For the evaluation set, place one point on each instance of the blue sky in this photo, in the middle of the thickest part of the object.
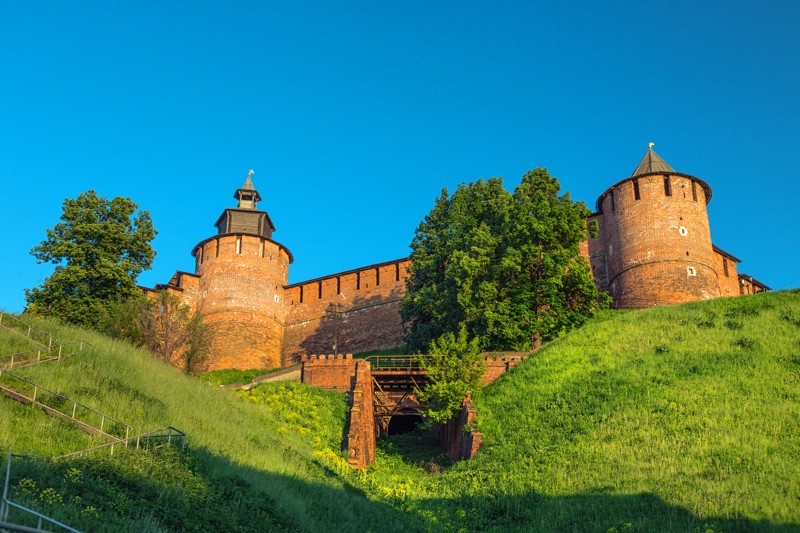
(354, 115)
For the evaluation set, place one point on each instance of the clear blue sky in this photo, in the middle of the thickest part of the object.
(354, 115)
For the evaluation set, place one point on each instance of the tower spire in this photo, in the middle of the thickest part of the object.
(247, 196)
(651, 162)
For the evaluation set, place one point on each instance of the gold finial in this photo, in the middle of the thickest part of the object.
(649, 145)
(251, 172)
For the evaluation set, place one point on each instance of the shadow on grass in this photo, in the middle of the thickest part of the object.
(583, 512)
(202, 491)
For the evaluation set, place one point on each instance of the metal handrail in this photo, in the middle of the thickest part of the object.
(75, 405)
(172, 434)
(6, 503)
(397, 362)
(169, 433)
(30, 329)
(14, 357)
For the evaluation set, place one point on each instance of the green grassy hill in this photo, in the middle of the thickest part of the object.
(682, 418)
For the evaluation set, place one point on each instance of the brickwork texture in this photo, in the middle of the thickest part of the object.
(653, 248)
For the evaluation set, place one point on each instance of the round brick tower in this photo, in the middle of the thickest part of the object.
(242, 274)
(657, 238)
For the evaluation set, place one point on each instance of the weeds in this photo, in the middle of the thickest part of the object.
(641, 420)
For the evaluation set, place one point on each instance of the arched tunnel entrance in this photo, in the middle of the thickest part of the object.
(400, 424)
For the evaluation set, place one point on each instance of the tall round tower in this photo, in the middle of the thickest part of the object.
(242, 274)
(656, 237)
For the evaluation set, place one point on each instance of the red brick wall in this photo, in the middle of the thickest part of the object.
(594, 250)
(355, 311)
(362, 431)
(658, 248)
(461, 440)
(497, 366)
(329, 372)
(728, 283)
(241, 295)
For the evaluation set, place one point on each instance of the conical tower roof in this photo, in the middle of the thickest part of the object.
(248, 190)
(651, 162)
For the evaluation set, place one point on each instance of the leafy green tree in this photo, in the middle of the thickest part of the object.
(454, 369)
(170, 331)
(121, 318)
(505, 266)
(100, 247)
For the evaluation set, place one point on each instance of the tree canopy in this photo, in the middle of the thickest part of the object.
(507, 267)
(100, 247)
(454, 369)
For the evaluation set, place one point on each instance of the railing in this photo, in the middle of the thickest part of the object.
(397, 362)
(161, 437)
(168, 435)
(27, 391)
(41, 355)
(12, 323)
(7, 504)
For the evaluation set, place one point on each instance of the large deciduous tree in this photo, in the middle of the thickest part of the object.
(170, 331)
(507, 267)
(100, 247)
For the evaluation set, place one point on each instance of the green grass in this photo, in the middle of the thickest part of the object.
(681, 418)
(229, 438)
(672, 418)
(230, 376)
(10, 343)
(400, 350)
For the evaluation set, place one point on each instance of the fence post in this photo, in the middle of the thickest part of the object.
(5, 488)
(35, 388)
(74, 407)
(29, 332)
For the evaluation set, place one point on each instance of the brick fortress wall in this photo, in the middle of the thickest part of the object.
(354, 311)
(654, 245)
(654, 248)
(240, 295)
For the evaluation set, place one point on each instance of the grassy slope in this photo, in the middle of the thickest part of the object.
(675, 418)
(672, 418)
(228, 437)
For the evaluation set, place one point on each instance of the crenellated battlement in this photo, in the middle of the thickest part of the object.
(653, 247)
(497, 365)
(334, 372)
(328, 357)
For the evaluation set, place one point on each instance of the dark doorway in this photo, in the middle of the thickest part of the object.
(400, 424)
